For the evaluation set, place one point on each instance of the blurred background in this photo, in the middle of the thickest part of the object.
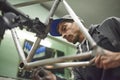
(91, 11)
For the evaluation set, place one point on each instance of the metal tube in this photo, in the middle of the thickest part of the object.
(35, 45)
(27, 3)
(82, 28)
(32, 51)
(52, 10)
(60, 59)
(67, 64)
(18, 46)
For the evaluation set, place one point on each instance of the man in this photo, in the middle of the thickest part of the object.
(105, 34)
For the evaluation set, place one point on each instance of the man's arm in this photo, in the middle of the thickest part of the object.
(110, 59)
(42, 74)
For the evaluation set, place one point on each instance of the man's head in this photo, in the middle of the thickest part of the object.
(66, 28)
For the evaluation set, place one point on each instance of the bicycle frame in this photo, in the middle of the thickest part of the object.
(61, 61)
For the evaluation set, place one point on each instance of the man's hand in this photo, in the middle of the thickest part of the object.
(108, 60)
(42, 74)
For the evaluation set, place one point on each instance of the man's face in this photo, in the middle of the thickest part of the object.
(70, 31)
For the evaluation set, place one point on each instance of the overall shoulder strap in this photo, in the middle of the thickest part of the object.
(92, 29)
(94, 33)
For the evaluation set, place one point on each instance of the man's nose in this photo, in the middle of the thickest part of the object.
(64, 35)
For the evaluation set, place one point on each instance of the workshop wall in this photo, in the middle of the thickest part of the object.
(9, 58)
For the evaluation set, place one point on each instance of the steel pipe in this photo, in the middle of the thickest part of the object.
(33, 49)
(59, 59)
(79, 23)
(18, 46)
(68, 64)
